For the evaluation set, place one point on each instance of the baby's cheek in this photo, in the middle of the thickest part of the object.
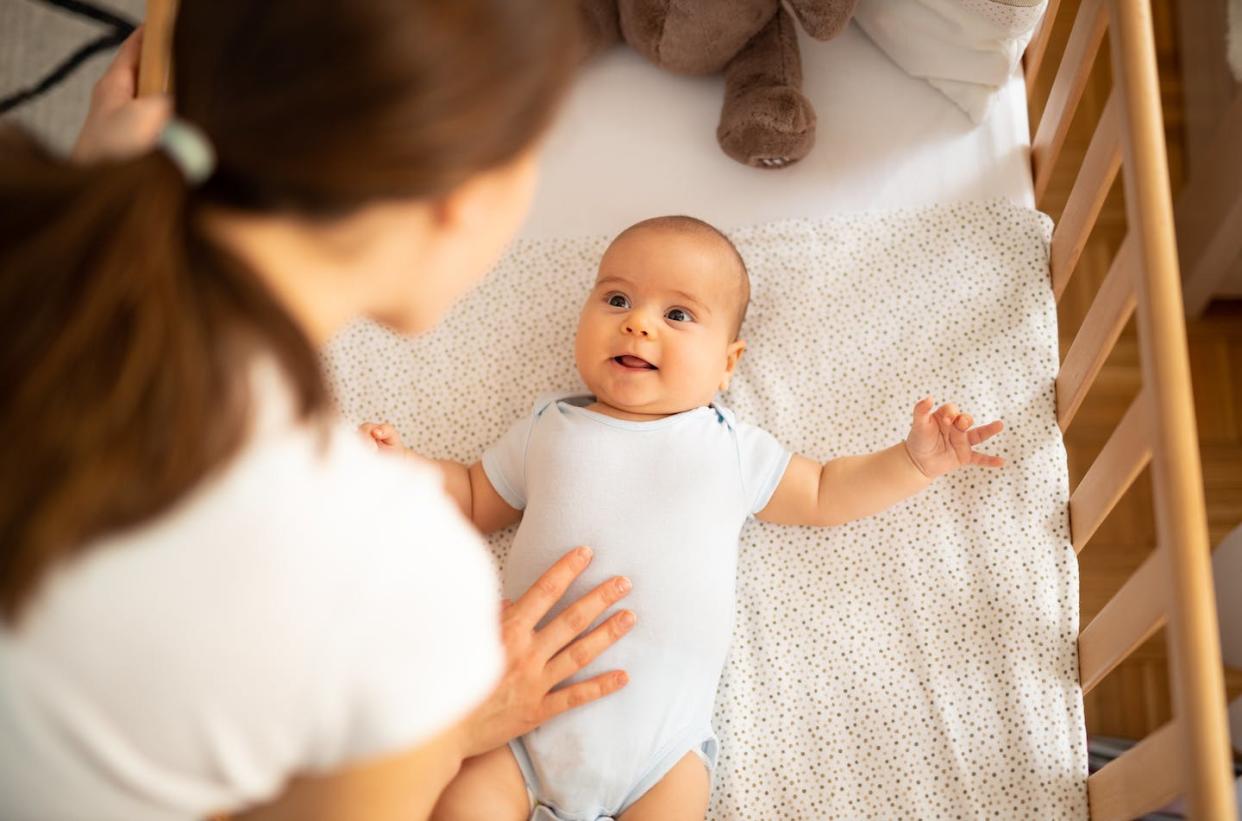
(695, 369)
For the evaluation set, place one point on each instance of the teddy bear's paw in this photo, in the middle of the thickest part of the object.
(767, 127)
(824, 19)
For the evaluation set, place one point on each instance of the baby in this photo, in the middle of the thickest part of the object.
(659, 478)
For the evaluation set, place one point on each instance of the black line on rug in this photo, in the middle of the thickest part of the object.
(121, 28)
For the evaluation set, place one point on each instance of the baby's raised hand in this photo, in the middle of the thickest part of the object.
(382, 435)
(943, 440)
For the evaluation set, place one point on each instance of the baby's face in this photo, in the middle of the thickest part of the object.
(656, 335)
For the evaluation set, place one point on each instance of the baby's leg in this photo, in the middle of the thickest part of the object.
(681, 795)
(488, 788)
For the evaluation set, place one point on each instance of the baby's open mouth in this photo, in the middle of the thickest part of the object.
(635, 362)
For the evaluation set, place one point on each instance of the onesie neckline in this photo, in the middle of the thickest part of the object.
(570, 403)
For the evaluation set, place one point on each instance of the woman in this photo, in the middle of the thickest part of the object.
(214, 596)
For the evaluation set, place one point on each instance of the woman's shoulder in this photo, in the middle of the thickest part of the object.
(340, 585)
(308, 511)
(328, 471)
(319, 479)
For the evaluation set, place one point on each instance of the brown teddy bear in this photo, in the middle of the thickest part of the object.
(766, 121)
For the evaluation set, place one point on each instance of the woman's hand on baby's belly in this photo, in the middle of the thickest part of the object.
(540, 659)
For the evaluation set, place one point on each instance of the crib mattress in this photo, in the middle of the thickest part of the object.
(634, 141)
(917, 664)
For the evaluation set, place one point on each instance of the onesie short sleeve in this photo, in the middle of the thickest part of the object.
(505, 463)
(762, 460)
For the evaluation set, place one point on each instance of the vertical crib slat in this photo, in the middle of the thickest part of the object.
(1091, 187)
(1142, 779)
(1125, 454)
(1105, 319)
(155, 67)
(1131, 617)
(1084, 43)
(1181, 519)
(1037, 49)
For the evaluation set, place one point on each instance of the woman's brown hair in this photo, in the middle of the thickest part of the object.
(124, 374)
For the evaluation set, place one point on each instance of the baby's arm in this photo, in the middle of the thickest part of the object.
(853, 487)
(474, 494)
(469, 486)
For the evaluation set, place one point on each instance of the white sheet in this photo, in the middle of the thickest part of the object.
(920, 663)
(634, 141)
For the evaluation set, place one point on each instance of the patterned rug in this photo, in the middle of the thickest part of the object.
(51, 53)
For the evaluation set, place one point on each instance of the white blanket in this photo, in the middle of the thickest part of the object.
(920, 663)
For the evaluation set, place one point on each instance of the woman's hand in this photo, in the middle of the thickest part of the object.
(943, 440)
(119, 125)
(539, 660)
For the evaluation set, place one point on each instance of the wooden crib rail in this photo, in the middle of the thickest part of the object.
(1190, 755)
(155, 66)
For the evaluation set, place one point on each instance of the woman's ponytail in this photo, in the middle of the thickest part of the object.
(122, 372)
(127, 331)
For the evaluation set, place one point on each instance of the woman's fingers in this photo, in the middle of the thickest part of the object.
(119, 82)
(586, 649)
(580, 615)
(584, 692)
(547, 590)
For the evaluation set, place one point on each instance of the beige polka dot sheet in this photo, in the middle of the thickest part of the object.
(917, 664)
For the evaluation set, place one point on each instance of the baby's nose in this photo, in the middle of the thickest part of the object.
(629, 329)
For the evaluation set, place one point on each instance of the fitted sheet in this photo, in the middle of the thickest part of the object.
(920, 663)
(633, 141)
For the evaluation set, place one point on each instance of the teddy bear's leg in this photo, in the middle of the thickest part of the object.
(601, 28)
(824, 19)
(766, 122)
(692, 36)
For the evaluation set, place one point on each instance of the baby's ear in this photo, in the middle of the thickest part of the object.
(732, 354)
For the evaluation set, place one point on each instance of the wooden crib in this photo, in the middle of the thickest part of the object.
(1190, 755)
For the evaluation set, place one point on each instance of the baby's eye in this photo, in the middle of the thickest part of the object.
(618, 301)
(679, 315)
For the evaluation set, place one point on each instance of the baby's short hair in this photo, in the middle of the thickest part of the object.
(691, 225)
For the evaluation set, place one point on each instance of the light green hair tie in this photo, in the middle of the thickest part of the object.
(189, 149)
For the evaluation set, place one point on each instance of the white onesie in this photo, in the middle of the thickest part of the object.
(663, 503)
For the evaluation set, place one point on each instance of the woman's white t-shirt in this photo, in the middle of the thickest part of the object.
(314, 604)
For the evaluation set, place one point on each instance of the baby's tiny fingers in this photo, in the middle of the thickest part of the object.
(945, 423)
(986, 432)
(958, 439)
(987, 460)
(963, 421)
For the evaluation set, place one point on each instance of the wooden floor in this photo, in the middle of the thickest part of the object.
(1134, 699)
